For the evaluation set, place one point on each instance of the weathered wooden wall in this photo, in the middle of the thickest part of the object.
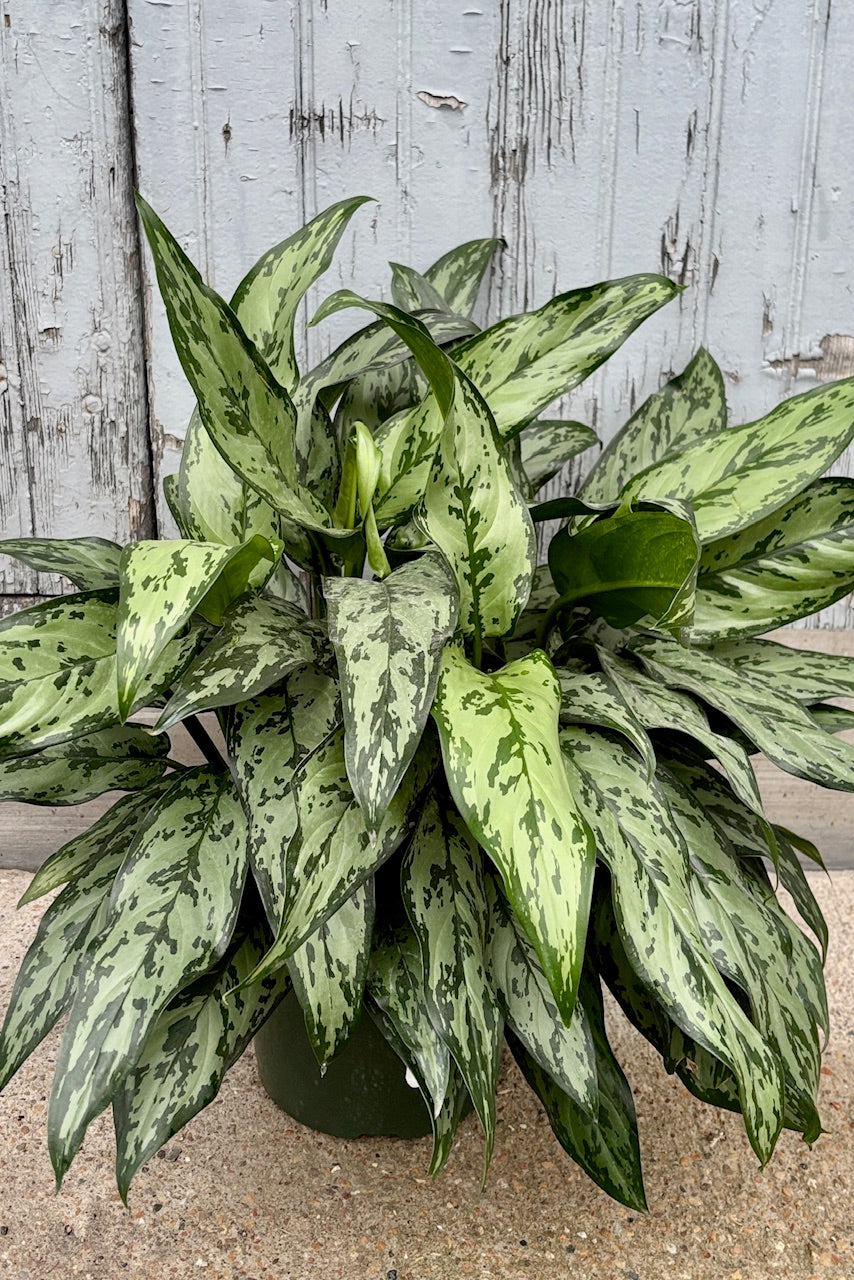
(707, 139)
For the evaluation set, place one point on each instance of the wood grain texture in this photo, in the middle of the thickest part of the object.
(73, 414)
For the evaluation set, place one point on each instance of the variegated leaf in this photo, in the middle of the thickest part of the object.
(444, 895)
(755, 944)
(745, 473)
(113, 831)
(802, 674)
(46, 979)
(396, 985)
(642, 846)
(664, 709)
(172, 912)
(333, 851)
(329, 971)
(388, 637)
(476, 516)
(411, 291)
(262, 640)
(504, 767)
(605, 1146)
(267, 738)
(690, 408)
(593, 698)
(58, 672)
(458, 274)
(566, 1053)
(778, 725)
(796, 561)
(196, 1039)
(163, 584)
(122, 759)
(92, 564)
(547, 445)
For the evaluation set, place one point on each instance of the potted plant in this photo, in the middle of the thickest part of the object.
(456, 790)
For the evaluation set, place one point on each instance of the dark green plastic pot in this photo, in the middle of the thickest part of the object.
(363, 1093)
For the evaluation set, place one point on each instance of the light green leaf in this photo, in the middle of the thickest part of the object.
(745, 473)
(329, 971)
(163, 584)
(803, 674)
(172, 912)
(388, 639)
(267, 738)
(774, 721)
(92, 564)
(123, 759)
(262, 640)
(606, 1146)
(195, 1040)
(458, 274)
(504, 767)
(445, 899)
(58, 672)
(691, 408)
(796, 561)
(476, 516)
(644, 850)
(633, 565)
(547, 445)
(593, 698)
(413, 292)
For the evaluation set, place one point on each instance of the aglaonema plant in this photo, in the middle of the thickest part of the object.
(549, 765)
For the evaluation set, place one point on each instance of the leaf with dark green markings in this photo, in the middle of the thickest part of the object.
(742, 475)
(503, 764)
(605, 1146)
(633, 565)
(267, 738)
(547, 445)
(795, 562)
(411, 291)
(778, 725)
(172, 912)
(128, 758)
(566, 1053)
(113, 831)
(691, 408)
(458, 274)
(92, 564)
(58, 672)
(388, 637)
(444, 894)
(262, 640)
(755, 944)
(46, 980)
(593, 698)
(163, 584)
(803, 674)
(329, 971)
(639, 841)
(195, 1040)
(664, 709)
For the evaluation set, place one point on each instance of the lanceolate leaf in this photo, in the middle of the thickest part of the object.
(92, 564)
(605, 1146)
(593, 698)
(163, 584)
(262, 640)
(267, 738)
(457, 275)
(413, 292)
(644, 850)
(172, 912)
(805, 675)
(444, 894)
(747, 472)
(547, 445)
(123, 759)
(504, 767)
(689, 409)
(478, 519)
(388, 637)
(775, 722)
(329, 970)
(195, 1040)
(796, 561)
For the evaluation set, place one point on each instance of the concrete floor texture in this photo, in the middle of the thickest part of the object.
(245, 1193)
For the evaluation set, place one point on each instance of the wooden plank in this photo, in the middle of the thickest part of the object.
(73, 413)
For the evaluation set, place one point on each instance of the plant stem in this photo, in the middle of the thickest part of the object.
(204, 741)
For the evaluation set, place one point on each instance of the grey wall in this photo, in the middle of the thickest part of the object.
(706, 139)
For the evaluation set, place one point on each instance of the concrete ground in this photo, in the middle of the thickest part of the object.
(244, 1193)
